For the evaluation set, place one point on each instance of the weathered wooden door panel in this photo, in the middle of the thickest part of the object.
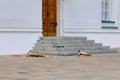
(49, 17)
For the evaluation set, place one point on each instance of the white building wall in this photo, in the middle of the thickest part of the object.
(115, 11)
(17, 43)
(82, 14)
(20, 25)
(20, 13)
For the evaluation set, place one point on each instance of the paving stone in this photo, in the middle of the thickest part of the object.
(95, 67)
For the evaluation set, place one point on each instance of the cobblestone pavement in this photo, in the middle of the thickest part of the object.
(95, 67)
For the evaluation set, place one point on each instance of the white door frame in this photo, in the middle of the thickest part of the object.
(60, 25)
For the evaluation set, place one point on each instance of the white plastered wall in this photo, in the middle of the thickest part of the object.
(20, 25)
(25, 14)
(81, 14)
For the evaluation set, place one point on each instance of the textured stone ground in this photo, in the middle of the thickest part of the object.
(95, 67)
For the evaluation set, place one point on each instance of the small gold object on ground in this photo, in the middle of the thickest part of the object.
(83, 53)
(35, 54)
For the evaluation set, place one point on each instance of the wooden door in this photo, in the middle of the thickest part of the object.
(49, 17)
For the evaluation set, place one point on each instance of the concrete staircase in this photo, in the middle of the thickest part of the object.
(69, 46)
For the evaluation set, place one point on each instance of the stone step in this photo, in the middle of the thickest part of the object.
(74, 52)
(101, 51)
(69, 46)
(45, 49)
(46, 52)
(59, 41)
(43, 45)
(64, 41)
(79, 45)
(63, 38)
(72, 48)
(89, 51)
(83, 48)
(112, 51)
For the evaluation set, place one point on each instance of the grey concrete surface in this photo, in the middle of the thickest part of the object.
(95, 67)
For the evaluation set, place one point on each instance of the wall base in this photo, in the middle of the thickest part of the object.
(17, 43)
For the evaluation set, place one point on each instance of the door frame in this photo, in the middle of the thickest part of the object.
(60, 17)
